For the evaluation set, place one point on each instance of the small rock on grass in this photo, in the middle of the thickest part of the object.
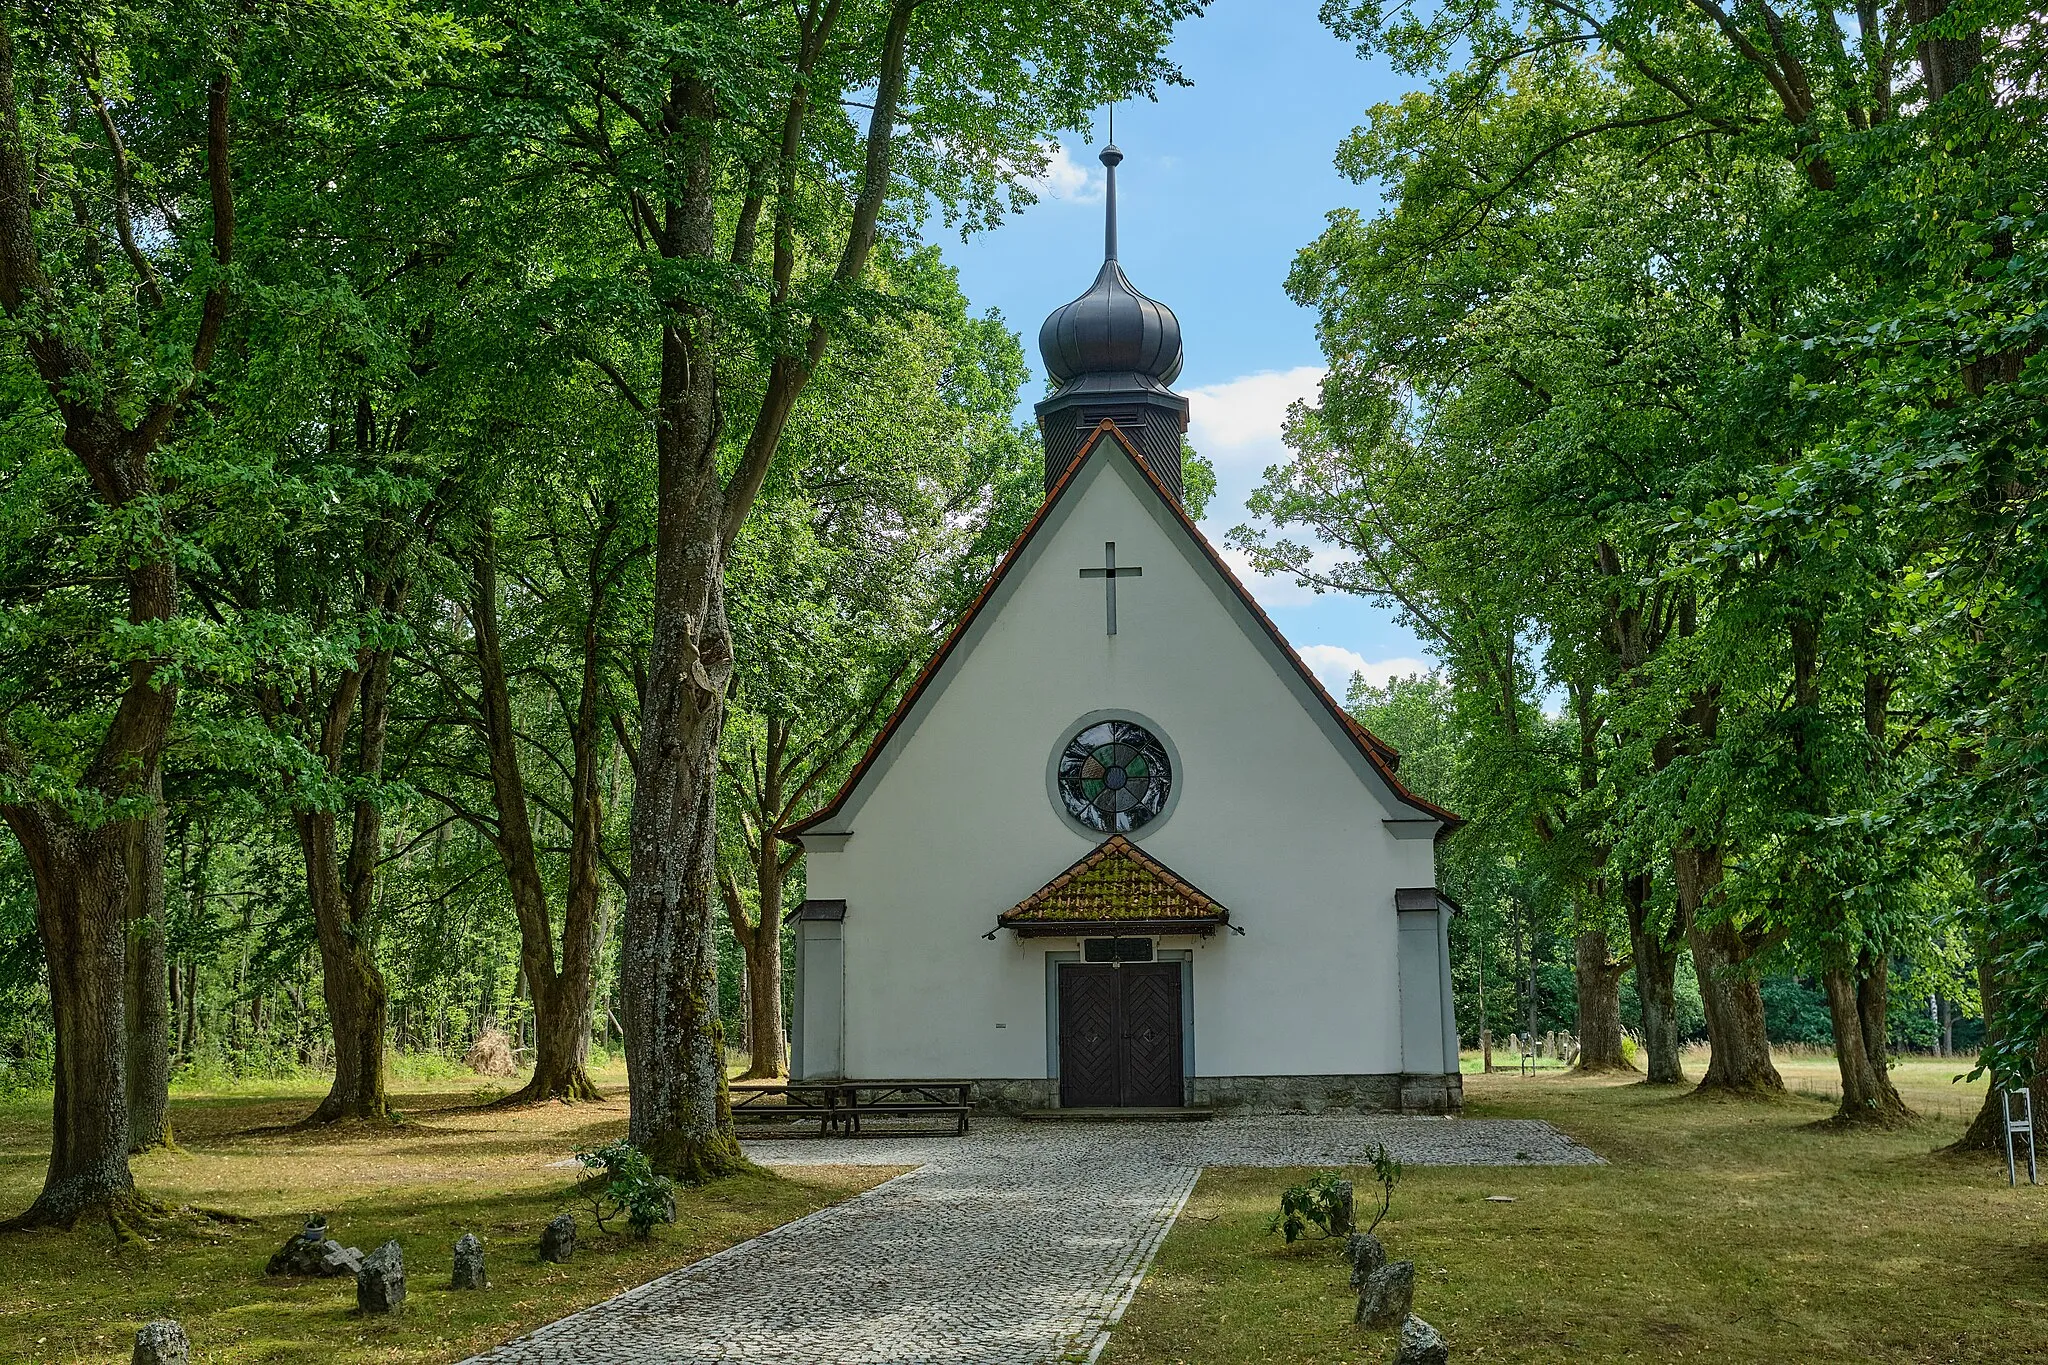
(162, 1342)
(336, 1259)
(469, 1263)
(1421, 1344)
(558, 1238)
(380, 1284)
(1366, 1254)
(1344, 1213)
(1386, 1295)
(310, 1251)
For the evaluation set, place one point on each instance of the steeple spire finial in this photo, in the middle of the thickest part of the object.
(1111, 158)
(1112, 352)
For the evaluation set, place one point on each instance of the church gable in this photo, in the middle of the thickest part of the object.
(1374, 759)
(1116, 888)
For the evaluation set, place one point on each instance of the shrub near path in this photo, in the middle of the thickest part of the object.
(1723, 1232)
(450, 1168)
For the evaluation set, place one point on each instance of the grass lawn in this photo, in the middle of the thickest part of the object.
(1719, 1232)
(451, 1168)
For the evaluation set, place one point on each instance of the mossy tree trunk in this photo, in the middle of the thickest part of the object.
(1655, 959)
(1857, 1000)
(82, 912)
(1740, 1063)
(1598, 975)
(675, 1053)
(681, 1114)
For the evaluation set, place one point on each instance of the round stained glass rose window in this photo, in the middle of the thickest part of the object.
(1114, 776)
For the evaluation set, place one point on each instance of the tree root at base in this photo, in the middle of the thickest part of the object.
(576, 1088)
(701, 1161)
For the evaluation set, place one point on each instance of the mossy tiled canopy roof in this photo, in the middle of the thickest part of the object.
(1117, 888)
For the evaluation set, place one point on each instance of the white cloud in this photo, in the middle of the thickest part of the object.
(1335, 665)
(1237, 425)
(1238, 422)
(1064, 178)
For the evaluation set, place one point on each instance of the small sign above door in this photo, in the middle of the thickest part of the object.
(1116, 950)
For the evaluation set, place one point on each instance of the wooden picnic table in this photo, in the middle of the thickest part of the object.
(839, 1105)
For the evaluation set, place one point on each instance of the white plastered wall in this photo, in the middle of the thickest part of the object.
(1276, 815)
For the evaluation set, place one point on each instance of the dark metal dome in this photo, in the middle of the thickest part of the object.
(1111, 329)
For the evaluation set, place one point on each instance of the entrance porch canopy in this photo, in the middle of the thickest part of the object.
(1116, 889)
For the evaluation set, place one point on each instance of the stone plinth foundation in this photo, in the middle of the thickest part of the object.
(1389, 1093)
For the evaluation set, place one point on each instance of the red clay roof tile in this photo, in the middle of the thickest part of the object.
(1116, 882)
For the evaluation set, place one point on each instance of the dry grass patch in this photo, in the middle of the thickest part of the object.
(1724, 1232)
(451, 1167)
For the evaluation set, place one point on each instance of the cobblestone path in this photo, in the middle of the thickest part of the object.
(1020, 1244)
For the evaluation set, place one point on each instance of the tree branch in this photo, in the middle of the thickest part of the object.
(124, 220)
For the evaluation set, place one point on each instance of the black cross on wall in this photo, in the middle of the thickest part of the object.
(1109, 573)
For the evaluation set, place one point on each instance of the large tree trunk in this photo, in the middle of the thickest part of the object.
(145, 983)
(82, 912)
(1656, 969)
(561, 1044)
(1599, 982)
(1741, 1061)
(358, 1007)
(668, 986)
(1986, 1132)
(765, 1055)
(344, 896)
(113, 420)
(681, 1113)
(561, 995)
(357, 1001)
(1856, 1008)
(668, 980)
(1858, 991)
(84, 901)
(1655, 953)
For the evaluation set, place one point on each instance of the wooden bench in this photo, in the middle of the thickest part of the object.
(951, 1100)
(840, 1105)
(761, 1102)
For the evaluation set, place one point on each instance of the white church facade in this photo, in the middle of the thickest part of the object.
(1117, 847)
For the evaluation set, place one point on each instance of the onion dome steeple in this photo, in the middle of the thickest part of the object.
(1113, 352)
(1112, 328)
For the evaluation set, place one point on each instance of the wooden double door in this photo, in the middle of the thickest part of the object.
(1120, 1035)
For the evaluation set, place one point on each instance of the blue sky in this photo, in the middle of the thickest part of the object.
(1221, 184)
